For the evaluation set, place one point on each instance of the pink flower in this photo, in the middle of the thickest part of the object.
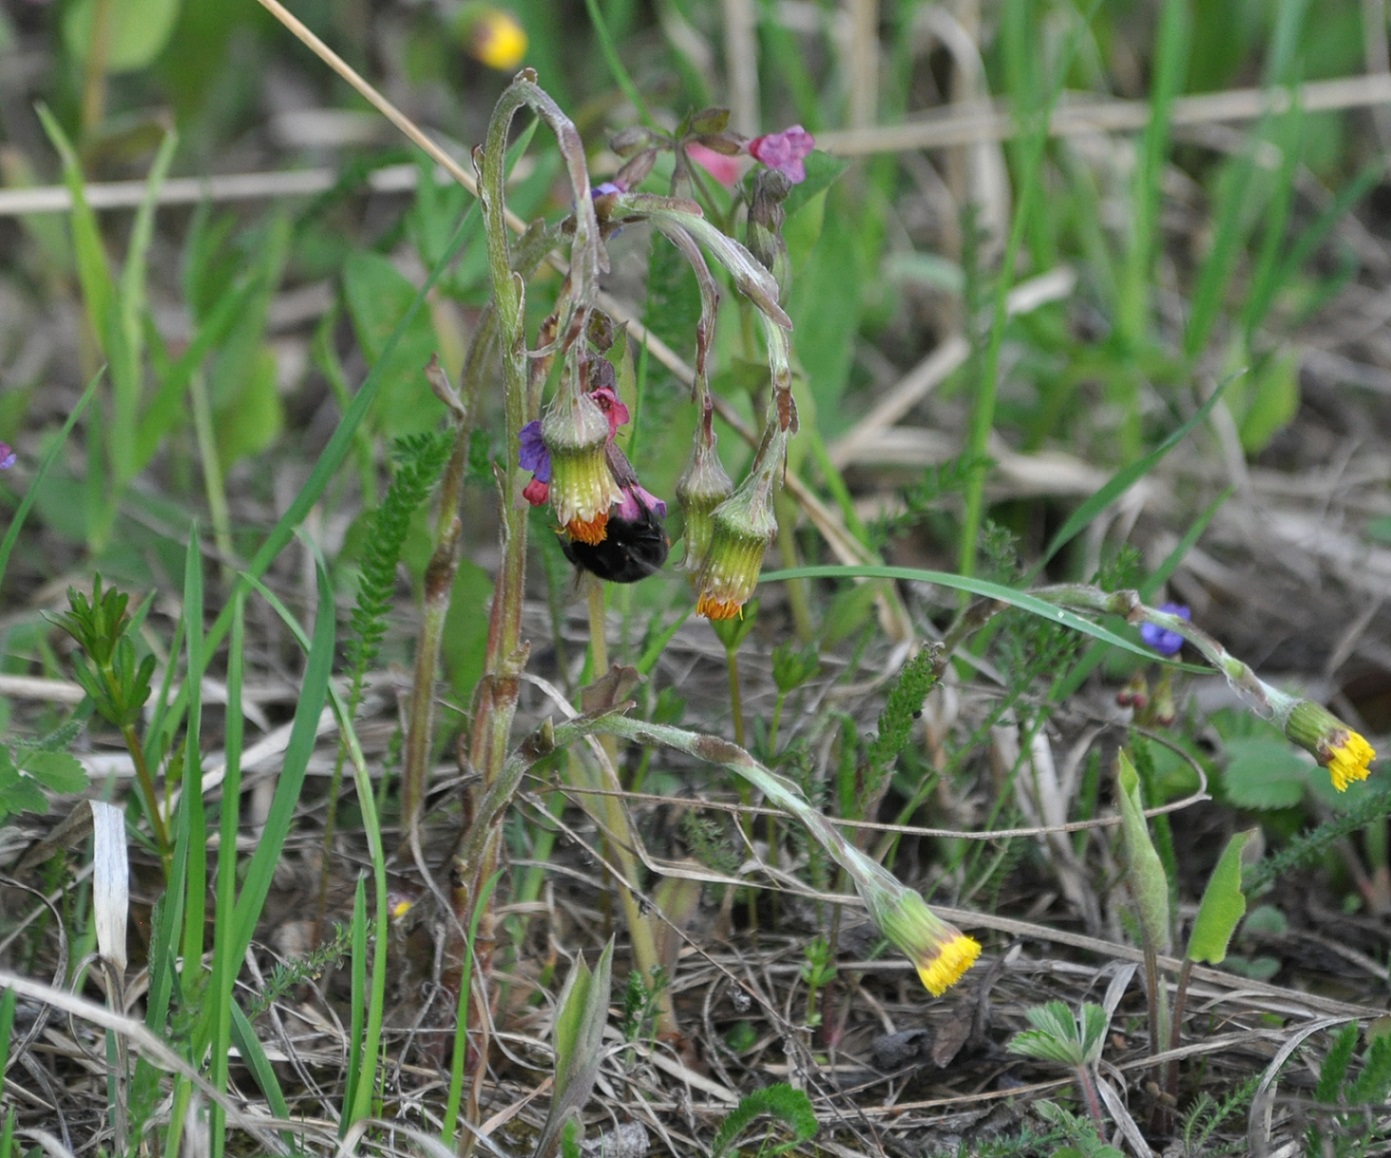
(784, 152)
(723, 168)
(612, 406)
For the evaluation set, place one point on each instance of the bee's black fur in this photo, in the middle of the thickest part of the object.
(633, 549)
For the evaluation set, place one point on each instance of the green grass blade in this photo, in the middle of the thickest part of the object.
(253, 1056)
(1170, 68)
(449, 1131)
(1125, 478)
(620, 74)
(1020, 599)
(303, 732)
(358, 1064)
(215, 1029)
(360, 1103)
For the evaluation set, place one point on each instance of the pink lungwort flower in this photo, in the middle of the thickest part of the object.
(784, 152)
(7, 456)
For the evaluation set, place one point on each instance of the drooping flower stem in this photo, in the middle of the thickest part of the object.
(495, 700)
(505, 655)
(940, 952)
(1337, 747)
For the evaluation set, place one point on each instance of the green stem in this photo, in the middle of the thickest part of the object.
(608, 812)
(147, 789)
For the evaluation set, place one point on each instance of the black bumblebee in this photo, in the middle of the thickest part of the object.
(632, 550)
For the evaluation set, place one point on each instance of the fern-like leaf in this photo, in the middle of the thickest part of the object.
(420, 461)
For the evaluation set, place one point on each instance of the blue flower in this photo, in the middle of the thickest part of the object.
(535, 456)
(7, 456)
(1164, 641)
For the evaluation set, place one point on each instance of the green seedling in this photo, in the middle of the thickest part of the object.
(581, 1013)
(1072, 1041)
(117, 684)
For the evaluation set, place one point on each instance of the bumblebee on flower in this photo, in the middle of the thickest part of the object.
(591, 486)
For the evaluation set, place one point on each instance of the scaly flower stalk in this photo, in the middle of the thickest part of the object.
(1336, 746)
(940, 951)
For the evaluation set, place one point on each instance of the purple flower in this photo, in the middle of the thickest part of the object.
(535, 456)
(784, 152)
(7, 456)
(1164, 641)
(635, 497)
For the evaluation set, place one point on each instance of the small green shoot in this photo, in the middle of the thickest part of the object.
(1072, 1041)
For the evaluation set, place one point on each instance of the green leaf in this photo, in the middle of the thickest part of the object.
(253, 419)
(1222, 907)
(823, 171)
(18, 793)
(378, 296)
(1334, 1071)
(824, 304)
(1055, 1036)
(1274, 398)
(59, 771)
(1145, 870)
(139, 30)
(1264, 773)
(1128, 476)
(1091, 1030)
(781, 1101)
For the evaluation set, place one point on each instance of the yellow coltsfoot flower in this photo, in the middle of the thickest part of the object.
(1344, 752)
(492, 36)
(939, 950)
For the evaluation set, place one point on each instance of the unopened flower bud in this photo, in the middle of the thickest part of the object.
(713, 120)
(702, 487)
(765, 240)
(1135, 693)
(742, 527)
(633, 140)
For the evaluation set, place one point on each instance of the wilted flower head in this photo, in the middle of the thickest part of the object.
(1164, 641)
(493, 36)
(7, 456)
(741, 528)
(785, 152)
(1345, 753)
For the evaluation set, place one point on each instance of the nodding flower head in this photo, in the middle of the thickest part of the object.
(941, 952)
(741, 528)
(1345, 753)
(576, 431)
(702, 487)
(785, 152)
